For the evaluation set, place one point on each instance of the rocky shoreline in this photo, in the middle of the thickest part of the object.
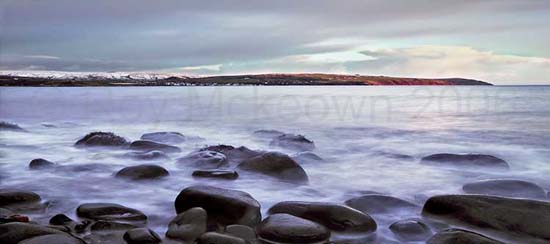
(489, 211)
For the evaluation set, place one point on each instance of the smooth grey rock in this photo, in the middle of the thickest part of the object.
(506, 188)
(380, 204)
(40, 163)
(151, 155)
(336, 217)
(189, 225)
(276, 165)
(285, 228)
(223, 206)
(465, 161)
(10, 198)
(144, 145)
(411, 230)
(109, 211)
(102, 139)
(457, 236)
(295, 142)
(218, 238)
(233, 154)
(164, 137)
(203, 159)
(143, 172)
(13, 233)
(53, 239)
(216, 174)
(141, 236)
(242, 231)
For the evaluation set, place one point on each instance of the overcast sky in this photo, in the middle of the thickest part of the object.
(500, 41)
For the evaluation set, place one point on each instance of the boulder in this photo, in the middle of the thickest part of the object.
(380, 204)
(242, 231)
(142, 172)
(233, 154)
(411, 230)
(307, 157)
(205, 159)
(10, 198)
(188, 226)
(110, 226)
(223, 206)
(144, 145)
(504, 216)
(276, 165)
(101, 139)
(285, 228)
(164, 137)
(218, 238)
(453, 236)
(141, 236)
(53, 238)
(151, 155)
(336, 217)
(507, 188)
(217, 174)
(6, 126)
(40, 163)
(13, 233)
(294, 142)
(465, 160)
(109, 211)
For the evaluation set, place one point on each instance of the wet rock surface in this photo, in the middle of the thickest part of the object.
(143, 172)
(233, 154)
(505, 216)
(151, 155)
(223, 206)
(218, 238)
(380, 204)
(294, 142)
(205, 159)
(10, 198)
(505, 187)
(285, 228)
(13, 233)
(411, 230)
(141, 236)
(465, 161)
(333, 216)
(102, 139)
(40, 163)
(189, 225)
(242, 231)
(109, 211)
(110, 226)
(452, 236)
(53, 239)
(216, 174)
(164, 137)
(7, 126)
(144, 145)
(276, 165)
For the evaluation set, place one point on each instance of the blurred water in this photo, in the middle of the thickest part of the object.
(354, 129)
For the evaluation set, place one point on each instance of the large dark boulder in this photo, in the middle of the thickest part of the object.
(294, 142)
(13, 233)
(110, 226)
(380, 204)
(411, 230)
(285, 228)
(189, 225)
(141, 236)
(216, 174)
(505, 216)
(142, 172)
(233, 154)
(276, 165)
(223, 206)
(507, 188)
(11, 198)
(40, 163)
(144, 145)
(102, 139)
(6, 126)
(151, 155)
(109, 211)
(53, 239)
(465, 160)
(458, 236)
(333, 216)
(164, 137)
(205, 159)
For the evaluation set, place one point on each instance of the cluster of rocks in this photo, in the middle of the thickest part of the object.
(492, 210)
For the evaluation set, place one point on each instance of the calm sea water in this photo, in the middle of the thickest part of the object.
(354, 130)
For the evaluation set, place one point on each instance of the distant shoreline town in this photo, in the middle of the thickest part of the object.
(305, 79)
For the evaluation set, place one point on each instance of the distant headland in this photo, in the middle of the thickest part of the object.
(140, 79)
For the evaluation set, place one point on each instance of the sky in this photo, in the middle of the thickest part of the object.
(499, 41)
